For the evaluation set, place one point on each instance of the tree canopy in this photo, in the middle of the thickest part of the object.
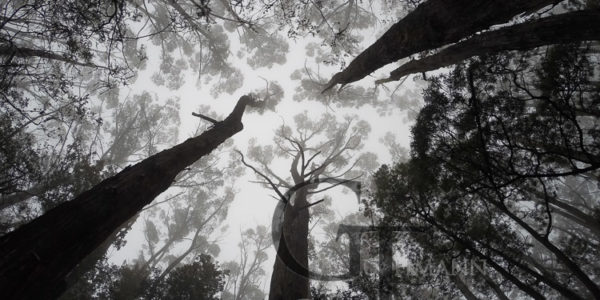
(119, 180)
(502, 157)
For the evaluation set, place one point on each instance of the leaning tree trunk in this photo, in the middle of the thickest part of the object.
(290, 272)
(88, 263)
(560, 29)
(431, 25)
(35, 258)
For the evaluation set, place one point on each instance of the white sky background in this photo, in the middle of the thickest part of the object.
(253, 204)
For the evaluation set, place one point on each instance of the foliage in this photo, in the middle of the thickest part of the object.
(497, 145)
(200, 279)
(18, 160)
(503, 166)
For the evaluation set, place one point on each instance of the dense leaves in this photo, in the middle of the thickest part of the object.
(495, 150)
(503, 167)
(200, 279)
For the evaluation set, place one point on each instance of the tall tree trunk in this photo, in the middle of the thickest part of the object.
(431, 25)
(91, 260)
(564, 28)
(35, 258)
(290, 281)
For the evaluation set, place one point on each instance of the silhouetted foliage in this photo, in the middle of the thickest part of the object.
(497, 146)
(200, 279)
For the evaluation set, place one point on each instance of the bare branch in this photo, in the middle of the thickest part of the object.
(273, 186)
(206, 118)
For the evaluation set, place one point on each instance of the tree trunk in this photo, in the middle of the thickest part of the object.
(431, 25)
(91, 260)
(35, 258)
(564, 28)
(290, 272)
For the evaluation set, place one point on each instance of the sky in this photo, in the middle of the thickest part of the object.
(253, 204)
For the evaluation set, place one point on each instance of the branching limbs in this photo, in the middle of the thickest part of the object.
(265, 177)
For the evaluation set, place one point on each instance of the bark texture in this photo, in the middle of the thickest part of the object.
(559, 29)
(290, 272)
(35, 258)
(433, 24)
(88, 263)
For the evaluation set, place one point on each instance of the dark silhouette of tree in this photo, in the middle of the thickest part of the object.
(432, 24)
(324, 153)
(202, 278)
(139, 125)
(60, 61)
(560, 29)
(502, 157)
(19, 162)
(37, 256)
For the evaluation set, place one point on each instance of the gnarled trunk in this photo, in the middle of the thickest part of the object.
(35, 258)
(290, 281)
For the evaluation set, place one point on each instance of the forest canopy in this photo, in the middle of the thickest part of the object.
(177, 149)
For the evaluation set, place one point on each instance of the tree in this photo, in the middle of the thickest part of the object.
(90, 151)
(322, 152)
(244, 278)
(202, 278)
(102, 45)
(331, 255)
(41, 253)
(61, 60)
(337, 23)
(557, 29)
(198, 243)
(432, 24)
(19, 161)
(496, 153)
(49, 52)
(181, 220)
(87, 151)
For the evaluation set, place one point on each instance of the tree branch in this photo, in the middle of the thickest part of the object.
(273, 186)
(206, 118)
(564, 28)
(431, 25)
